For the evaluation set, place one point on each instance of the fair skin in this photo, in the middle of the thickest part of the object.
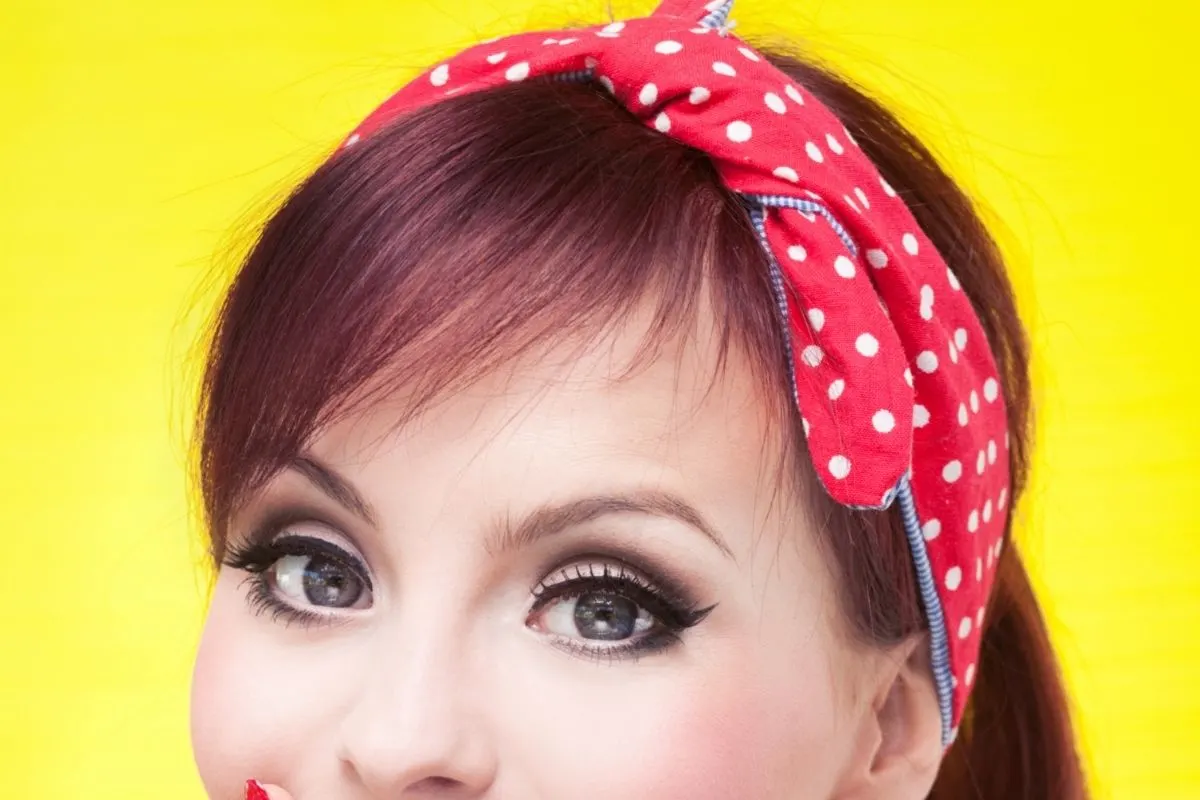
(449, 678)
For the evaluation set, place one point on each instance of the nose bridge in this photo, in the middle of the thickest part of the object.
(414, 722)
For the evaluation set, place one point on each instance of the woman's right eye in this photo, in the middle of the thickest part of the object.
(302, 578)
(318, 581)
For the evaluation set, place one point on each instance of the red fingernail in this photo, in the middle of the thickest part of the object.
(255, 791)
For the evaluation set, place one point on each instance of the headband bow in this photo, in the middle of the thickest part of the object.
(890, 366)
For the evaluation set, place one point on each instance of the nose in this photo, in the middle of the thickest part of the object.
(415, 729)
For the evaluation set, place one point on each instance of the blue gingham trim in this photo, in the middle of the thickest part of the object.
(938, 639)
(930, 602)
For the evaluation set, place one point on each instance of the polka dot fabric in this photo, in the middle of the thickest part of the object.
(892, 373)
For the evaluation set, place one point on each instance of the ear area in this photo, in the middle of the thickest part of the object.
(899, 746)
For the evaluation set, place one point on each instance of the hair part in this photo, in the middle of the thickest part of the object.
(467, 234)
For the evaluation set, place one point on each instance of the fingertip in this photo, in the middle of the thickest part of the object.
(265, 791)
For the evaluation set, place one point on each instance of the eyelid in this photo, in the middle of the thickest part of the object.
(671, 586)
(281, 524)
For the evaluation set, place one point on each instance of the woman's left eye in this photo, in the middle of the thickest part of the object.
(608, 609)
(597, 616)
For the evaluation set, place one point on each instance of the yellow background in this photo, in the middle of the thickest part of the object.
(136, 134)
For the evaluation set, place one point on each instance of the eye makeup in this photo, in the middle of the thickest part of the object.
(601, 606)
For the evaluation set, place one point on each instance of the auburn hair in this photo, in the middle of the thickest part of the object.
(468, 233)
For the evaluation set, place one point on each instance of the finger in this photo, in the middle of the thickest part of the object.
(265, 791)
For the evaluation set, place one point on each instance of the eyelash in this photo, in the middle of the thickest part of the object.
(668, 603)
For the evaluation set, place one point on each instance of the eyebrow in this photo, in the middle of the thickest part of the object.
(337, 488)
(551, 519)
(542, 522)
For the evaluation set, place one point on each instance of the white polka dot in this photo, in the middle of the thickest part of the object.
(979, 569)
(648, 94)
(839, 467)
(964, 628)
(991, 390)
(991, 451)
(931, 529)
(812, 355)
(836, 388)
(834, 145)
(520, 71)
(908, 377)
(953, 351)
(920, 416)
(440, 75)
(927, 362)
(496, 58)
(909, 242)
(877, 258)
(973, 521)
(787, 173)
(974, 402)
(775, 103)
(862, 197)
(662, 123)
(960, 339)
(987, 511)
(816, 318)
(814, 152)
(794, 94)
(590, 62)
(883, 421)
(563, 42)
(607, 84)
(980, 462)
(867, 345)
(969, 677)
(721, 68)
(843, 267)
(953, 578)
(797, 252)
(851, 203)
(952, 471)
(954, 284)
(887, 188)
(700, 31)
(748, 53)
(738, 131)
(550, 41)
(999, 546)
(668, 47)
(611, 30)
(353, 140)
(698, 95)
(1003, 500)
(963, 417)
(926, 308)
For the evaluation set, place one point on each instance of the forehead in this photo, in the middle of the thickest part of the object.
(605, 414)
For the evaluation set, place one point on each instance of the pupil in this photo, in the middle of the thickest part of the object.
(328, 584)
(605, 616)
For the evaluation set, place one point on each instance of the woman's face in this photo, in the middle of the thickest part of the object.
(554, 585)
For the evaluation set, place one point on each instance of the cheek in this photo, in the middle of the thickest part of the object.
(660, 733)
(260, 701)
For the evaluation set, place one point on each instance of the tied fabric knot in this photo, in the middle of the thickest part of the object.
(890, 366)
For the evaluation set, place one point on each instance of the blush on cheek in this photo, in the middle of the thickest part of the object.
(737, 740)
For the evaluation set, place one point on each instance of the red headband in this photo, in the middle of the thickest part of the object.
(892, 372)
